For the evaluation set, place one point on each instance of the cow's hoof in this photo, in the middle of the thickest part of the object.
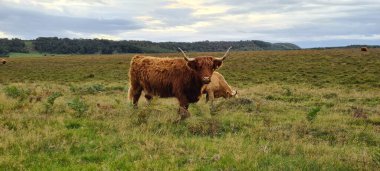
(184, 113)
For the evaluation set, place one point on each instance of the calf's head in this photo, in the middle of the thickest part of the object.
(228, 92)
(204, 66)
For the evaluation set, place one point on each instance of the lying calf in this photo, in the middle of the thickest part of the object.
(218, 87)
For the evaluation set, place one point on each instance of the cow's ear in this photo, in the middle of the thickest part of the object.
(217, 64)
(192, 65)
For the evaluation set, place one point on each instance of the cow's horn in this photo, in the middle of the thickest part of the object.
(225, 55)
(185, 56)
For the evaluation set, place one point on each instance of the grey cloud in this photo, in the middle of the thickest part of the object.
(31, 24)
(174, 17)
(320, 18)
(286, 6)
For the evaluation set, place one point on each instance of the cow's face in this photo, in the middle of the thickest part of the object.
(204, 67)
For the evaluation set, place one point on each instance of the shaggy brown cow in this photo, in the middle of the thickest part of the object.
(364, 49)
(182, 78)
(217, 88)
(3, 61)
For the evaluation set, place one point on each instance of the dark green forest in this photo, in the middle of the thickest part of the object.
(13, 45)
(57, 45)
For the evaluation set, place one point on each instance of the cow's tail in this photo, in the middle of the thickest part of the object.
(135, 88)
(130, 77)
(130, 95)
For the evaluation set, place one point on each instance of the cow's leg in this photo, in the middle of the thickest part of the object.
(135, 93)
(148, 98)
(211, 99)
(207, 97)
(183, 106)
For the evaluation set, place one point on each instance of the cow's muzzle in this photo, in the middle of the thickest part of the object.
(234, 93)
(206, 80)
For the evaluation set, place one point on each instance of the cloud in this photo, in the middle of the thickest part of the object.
(175, 16)
(200, 8)
(5, 35)
(306, 23)
(29, 24)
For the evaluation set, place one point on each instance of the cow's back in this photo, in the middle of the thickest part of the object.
(157, 76)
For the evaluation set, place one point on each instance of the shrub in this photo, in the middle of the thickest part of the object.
(78, 106)
(96, 88)
(73, 125)
(313, 114)
(10, 126)
(92, 89)
(50, 101)
(14, 92)
(53, 96)
(117, 88)
(72, 88)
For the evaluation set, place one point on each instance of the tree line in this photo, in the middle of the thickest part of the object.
(101, 46)
(11, 45)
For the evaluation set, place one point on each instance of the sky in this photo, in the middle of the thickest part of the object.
(314, 23)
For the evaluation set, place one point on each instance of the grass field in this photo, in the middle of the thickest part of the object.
(296, 110)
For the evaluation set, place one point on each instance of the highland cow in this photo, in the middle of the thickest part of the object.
(182, 78)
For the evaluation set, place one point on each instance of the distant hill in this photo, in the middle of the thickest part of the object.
(347, 47)
(101, 46)
(285, 46)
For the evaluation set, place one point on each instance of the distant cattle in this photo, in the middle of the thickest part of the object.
(3, 61)
(182, 78)
(217, 88)
(364, 49)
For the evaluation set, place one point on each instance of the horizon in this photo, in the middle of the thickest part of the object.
(309, 24)
(204, 41)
